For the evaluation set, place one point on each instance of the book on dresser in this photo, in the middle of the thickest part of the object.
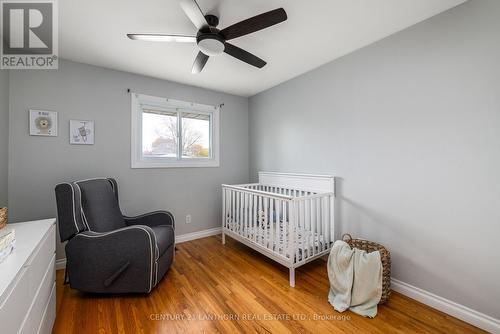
(7, 241)
(27, 278)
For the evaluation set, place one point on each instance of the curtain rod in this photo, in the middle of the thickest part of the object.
(220, 105)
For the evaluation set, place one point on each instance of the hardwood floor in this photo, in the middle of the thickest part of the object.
(231, 289)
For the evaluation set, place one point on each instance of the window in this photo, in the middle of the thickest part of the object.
(169, 133)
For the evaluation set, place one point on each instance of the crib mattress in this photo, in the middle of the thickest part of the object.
(307, 243)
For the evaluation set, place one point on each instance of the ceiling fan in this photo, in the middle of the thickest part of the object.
(212, 41)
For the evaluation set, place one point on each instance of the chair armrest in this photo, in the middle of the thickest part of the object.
(126, 256)
(155, 218)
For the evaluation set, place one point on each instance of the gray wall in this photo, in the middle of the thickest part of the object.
(78, 91)
(4, 134)
(411, 125)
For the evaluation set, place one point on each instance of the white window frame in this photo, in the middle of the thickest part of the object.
(138, 161)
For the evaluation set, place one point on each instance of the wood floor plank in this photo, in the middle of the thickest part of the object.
(212, 288)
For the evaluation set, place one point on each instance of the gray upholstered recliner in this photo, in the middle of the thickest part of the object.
(108, 252)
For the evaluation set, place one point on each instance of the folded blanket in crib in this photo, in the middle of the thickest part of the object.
(355, 279)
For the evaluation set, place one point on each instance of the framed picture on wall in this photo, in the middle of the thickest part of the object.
(81, 132)
(43, 123)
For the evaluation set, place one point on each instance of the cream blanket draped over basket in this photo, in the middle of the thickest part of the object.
(355, 279)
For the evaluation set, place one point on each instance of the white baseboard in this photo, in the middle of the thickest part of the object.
(456, 310)
(61, 263)
(198, 235)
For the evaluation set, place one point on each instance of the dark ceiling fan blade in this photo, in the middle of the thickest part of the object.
(254, 24)
(194, 13)
(162, 38)
(199, 62)
(243, 55)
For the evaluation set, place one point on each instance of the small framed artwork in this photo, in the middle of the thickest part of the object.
(81, 132)
(43, 123)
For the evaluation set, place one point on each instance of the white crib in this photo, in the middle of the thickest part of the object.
(287, 217)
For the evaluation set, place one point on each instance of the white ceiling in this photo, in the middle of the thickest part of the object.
(316, 32)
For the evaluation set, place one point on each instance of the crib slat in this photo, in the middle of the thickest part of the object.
(242, 215)
(320, 221)
(285, 230)
(313, 225)
(295, 222)
(240, 208)
(234, 217)
(324, 222)
(318, 224)
(307, 225)
(242, 218)
(330, 223)
(255, 217)
(332, 219)
(244, 209)
(250, 221)
(241, 223)
(328, 219)
(248, 214)
(250, 217)
(305, 218)
(300, 250)
(237, 211)
(278, 219)
(229, 217)
(223, 209)
(284, 223)
(259, 239)
(266, 220)
(272, 217)
(228, 208)
(233, 208)
(245, 213)
(249, 209)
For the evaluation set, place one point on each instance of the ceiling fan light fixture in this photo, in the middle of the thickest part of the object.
(211, 45)
(211, 41)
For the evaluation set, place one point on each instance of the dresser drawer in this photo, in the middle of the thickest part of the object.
(49, 314)
(34, 317)
(16, 304)
(40, 259)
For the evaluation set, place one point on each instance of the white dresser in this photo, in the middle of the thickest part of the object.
(27, 280)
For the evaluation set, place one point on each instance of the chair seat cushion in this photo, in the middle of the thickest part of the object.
(164, 237)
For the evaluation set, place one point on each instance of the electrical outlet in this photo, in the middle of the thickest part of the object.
(188, 219)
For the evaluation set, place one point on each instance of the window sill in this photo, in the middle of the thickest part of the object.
(175, 164)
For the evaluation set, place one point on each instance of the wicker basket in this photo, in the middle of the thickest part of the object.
(385, 256)
(3, 217)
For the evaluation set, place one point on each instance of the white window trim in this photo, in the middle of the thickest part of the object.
(137, 100)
